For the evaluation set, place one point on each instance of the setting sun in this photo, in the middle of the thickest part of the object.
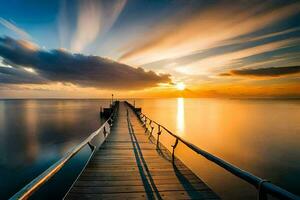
(180, 86)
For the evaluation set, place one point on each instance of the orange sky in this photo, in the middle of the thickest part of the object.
(249, 49)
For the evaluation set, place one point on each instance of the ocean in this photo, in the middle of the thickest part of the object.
(260, 136)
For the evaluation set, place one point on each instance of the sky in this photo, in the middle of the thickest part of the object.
(149, 48)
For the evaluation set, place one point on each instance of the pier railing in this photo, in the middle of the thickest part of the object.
(40, 180)
(264, 187)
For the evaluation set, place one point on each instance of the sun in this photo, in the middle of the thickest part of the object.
(180, 86)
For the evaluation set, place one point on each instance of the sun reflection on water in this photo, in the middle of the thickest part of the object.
(180, 116)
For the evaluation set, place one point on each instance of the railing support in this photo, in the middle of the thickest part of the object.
(142, 120)
(104, 131)
(261, 194)
(92, 147)
(111, 121)
(146, 128)
(150, 124)
(173, 152)
(158, 134)
(143, 116)
(150, 135)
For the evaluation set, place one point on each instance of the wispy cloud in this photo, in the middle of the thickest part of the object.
(94, 18)
(265, 36)
(209, 28)
(226, 60)
(264, 72)
(290, 58)
(11, 26)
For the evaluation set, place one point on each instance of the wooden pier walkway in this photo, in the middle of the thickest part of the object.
(128, 166)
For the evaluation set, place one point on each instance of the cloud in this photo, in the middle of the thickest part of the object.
(216, 62)
(264, 72)
(14, 28)
(266, 36)
(210, 27)
(94, 18)
(11, 75)
(62, 66)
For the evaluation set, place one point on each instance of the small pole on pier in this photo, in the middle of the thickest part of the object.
(158, 134)
(112, 99)
(146, 128)
(173, 152)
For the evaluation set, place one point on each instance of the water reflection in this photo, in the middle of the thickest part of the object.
(260, 136)
(31, 130)
(36, 133)
(180, 116)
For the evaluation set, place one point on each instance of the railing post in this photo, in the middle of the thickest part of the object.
(104, 131)
(146, 128)
(111, 122)
(92, 147)
(141, 118)
(158, 134)
(261, 194)
(173, 152)
(152, 128)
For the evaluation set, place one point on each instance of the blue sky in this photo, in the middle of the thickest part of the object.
(204, 44)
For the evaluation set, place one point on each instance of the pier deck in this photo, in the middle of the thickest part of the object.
(128, 166)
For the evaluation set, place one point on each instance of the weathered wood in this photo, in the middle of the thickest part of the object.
(126, 177)
(128, 166)
(137, 188)
(141, 195)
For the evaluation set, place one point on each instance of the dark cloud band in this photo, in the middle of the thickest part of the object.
(63, 66)
(264, 72)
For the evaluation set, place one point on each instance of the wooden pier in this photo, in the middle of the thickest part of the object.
(129, 166)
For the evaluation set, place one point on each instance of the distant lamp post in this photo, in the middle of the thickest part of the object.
(112, 99)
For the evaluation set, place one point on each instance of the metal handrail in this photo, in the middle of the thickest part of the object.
(36, 183)
(264, 187)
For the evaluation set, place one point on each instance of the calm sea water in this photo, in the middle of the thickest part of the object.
(260, 136)
(36, 133)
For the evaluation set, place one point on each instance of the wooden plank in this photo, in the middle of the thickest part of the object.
(98, 183)
(128, 166)
(138, 188)
(132, 173)
(124, 178)
(142, 195)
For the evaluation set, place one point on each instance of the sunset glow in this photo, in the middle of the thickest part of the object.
(149, 99)
(246, 49)
(180, 86)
